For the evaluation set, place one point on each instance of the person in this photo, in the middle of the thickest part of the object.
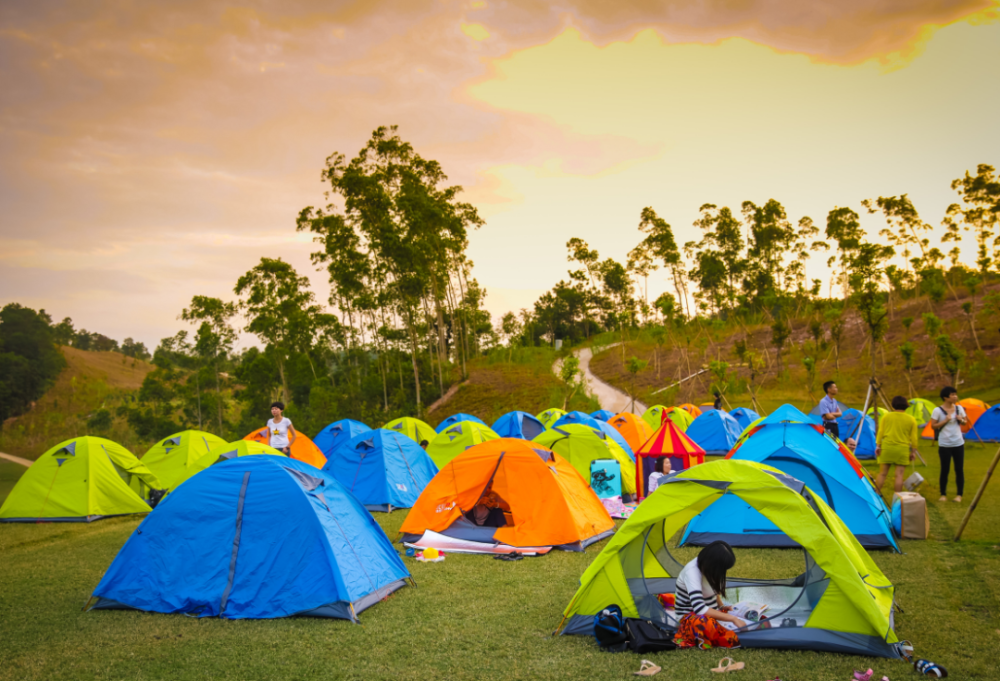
(718, 400)
(660, 468)
(424, 444)
(895, 443)
(947, 421)
(829, 409)
(698, 604)
(279, 429)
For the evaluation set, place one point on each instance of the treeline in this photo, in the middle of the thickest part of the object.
(64, 333)
(29, 359)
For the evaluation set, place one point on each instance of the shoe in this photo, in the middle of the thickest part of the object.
(958, 499)
(943, 498)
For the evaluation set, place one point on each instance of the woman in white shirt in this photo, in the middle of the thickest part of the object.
(700, 588)
(948, 420)
(279, 429)
(660, 468)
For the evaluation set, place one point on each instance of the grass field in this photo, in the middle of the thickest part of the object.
(471, 617)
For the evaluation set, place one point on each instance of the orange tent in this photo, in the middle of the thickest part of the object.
(973, 409)
(633, 428)
(670, 441)
(303, 448)
(544, 499)
(691, 409)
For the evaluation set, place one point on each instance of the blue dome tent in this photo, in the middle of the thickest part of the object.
(382, 468)
(255, 537)
(987, 427)
(744, 416)
(715, 431)
(518, 424)
(602, 415)
(854, 424)
(337, 433)
(456, 418)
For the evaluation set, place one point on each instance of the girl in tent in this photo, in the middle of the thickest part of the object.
(660, 468)
(947, 421)
(895, 443)
(700, 588)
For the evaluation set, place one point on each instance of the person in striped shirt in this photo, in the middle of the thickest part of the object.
(700, 588)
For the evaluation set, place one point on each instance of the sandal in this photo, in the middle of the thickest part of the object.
(863, 676)
(729, 667)
(928, 668)
(647, 669)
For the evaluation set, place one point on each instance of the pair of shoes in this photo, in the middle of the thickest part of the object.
(647, 669)
(958, 499)
(730, 666)
(943, 498)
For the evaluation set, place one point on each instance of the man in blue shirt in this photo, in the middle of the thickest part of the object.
(829, 409)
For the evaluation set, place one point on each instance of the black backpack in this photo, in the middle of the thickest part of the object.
(609, 629)
(646, 637)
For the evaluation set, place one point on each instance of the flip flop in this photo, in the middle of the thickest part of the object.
(729, 667)
(647, 669)
(928, 668)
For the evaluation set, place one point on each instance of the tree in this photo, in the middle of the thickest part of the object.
(569, 373)
(511, 328)
(810, 364)
(29, 359)
(719, 254)
(905, 231)
(661, 244)
(836, 321)
(641, 264)
(634, 366)
(780, 331)
(214, 340)
(865, 275)
(907, 350)
(980, 213)
(951, 356)
(771, 237)
(720, 370)
(63, 332)
(843, 226)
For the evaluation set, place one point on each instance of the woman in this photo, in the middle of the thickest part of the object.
(947, 421)
(660, 468)
(895, 443)
(700, 588)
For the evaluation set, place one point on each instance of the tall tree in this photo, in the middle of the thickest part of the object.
(980, 213)
(843, 226)
(719, 255)
(661, 243)
(214, 340)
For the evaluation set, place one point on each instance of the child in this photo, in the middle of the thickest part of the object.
(948, 420)
(895, 443)
(278, 429)
(700, 588)
(660, 468)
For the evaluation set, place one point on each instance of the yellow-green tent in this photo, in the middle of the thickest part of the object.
(841, 602)
(455, 439)
(580, 444)
(550, 416)
(79, 480)
(921, 410)
(654, 416)
(882, 411)
(415, 429)
(170, 458)
(230, 450)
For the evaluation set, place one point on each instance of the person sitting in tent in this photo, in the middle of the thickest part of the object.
(424, 444)
(829, 409)
(700, 588)
(490, 510)
(895, 443)
(279, 428)
(660, 468)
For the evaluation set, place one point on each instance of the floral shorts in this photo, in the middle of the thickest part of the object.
(704, 632)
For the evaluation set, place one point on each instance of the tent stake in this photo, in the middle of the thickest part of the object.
(979, 494)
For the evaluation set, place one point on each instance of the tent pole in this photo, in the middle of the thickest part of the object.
(979, 494)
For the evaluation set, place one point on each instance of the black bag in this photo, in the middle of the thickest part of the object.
(646, 637)
(609, 629)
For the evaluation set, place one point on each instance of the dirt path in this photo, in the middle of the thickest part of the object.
(608, 397)
(16, 459)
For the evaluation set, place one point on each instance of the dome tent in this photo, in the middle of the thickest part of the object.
(580, 445)
(232, 450)
(383, 469)
(920, 409)
(255, 537)
(714, 431)
(577, 417)
(854, 425)
(455, 439)
(744, 416)
(79, 480)
(519, 424)
(841, 602)
(602, 415)
(550, 416)
(633, 428)
(337, 433)
(303, 449)
(170, 458)
(415, 429)
(987, 426)
(458, 418)
(654, 416)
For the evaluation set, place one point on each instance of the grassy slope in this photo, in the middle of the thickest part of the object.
(470, 618)
(90, 381)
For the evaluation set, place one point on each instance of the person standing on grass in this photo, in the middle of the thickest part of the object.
(947, 421)
(829, 409)
(895, 443)
(279, 429)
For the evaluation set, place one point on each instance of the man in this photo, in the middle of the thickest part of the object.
(279, 428)
(947, 420)
(829, 409)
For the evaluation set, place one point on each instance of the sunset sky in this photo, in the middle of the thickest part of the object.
(150, 151)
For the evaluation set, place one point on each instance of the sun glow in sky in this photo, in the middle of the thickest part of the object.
(153, 151)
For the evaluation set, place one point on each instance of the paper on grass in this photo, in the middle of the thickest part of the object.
(431, 539)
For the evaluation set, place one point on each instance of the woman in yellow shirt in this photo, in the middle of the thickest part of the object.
(895, 443)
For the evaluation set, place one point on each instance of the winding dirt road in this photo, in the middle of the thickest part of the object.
(608, 397)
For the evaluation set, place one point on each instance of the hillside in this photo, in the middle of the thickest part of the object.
(90, 381)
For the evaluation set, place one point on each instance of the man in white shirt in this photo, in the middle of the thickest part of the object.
(829, 409)
(279, 429)
(947, 420)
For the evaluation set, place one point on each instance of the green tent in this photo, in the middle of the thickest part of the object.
(550, 416)
(580, 445)
(170, 458)
(921, 410)
(415, 429)
(79, 480)
(654, 416)
(455, 439)
(882, 411)
(226, 451)
(841, 602)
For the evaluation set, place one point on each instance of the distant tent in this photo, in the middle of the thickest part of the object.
(337, 433)
(519, 424)
(602, 414)
(383, 469)
(231, 450)
(169, 458)
(578, 417)
(255, 538)
(744, 416)
(303, 449)
(79, 480)
(458, 418)
(550, 416)
(415, 429)
(973, 410)
(716, 431)
(856, 426)
(633, 428)
(826, 466)
(786, 413)
(706, 406)
(454, 440)
(669, 441)
(694, 411)
(987, 426)
(543, 499)
(580, 445)
(654, 416)
(920, 409)
(882, 411)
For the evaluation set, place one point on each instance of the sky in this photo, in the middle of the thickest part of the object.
(153, 151)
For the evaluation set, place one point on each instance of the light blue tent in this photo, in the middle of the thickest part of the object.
(854, 424)
(337, 433)
(577, 417)
(715, 431)
(518, 424)
(805, 452)
(987, 427)
(456, 418)
(598, 425)
(382, 468)
(744, 416)
(603, 415)
(255, 537)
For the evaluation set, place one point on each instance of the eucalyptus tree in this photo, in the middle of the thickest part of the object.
(905, 231)
(771, 237)
(843, 226)
(719, 255)
(866, 275)
(660, 243)
(979, 213)
(214, 339)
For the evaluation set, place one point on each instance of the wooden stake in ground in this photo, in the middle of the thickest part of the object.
(979, 494)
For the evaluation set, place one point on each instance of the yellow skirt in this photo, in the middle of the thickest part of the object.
(897, 454)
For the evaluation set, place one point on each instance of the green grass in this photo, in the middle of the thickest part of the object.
(470, 617)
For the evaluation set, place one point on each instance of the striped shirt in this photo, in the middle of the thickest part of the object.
(693, 592)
